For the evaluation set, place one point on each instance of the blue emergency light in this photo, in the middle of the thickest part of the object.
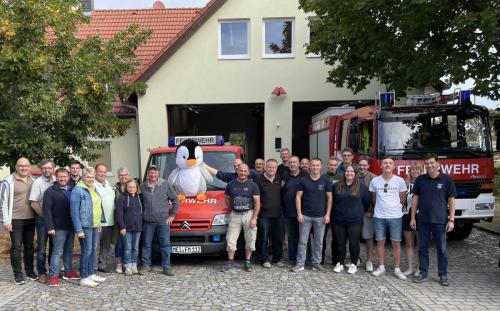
(216, 238)
(209, 140)
(386, 99)
(465, 96)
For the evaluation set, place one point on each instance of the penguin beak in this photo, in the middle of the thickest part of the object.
(191, 162)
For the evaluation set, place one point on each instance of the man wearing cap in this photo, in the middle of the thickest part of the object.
(157, 194)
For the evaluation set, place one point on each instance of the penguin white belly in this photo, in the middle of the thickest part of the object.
(189, 181)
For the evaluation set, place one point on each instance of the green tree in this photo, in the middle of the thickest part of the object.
(407, 44)
(57, 90)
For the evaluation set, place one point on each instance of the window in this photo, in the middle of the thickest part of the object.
(234, 38)
(313, 33)
(279, 38)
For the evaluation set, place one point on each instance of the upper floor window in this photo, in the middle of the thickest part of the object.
(234, 39)
(279, 38)
(313, 33)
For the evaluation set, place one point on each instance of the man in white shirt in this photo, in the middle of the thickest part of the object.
(388, 191)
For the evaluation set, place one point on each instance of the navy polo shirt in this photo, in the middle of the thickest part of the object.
(433, 195)
(288, 195)
(314, 195)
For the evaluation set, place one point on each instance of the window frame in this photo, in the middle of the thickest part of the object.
(310, 19)
(219, 38)
(282, 19)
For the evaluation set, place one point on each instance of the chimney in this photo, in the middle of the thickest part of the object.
(158, 5)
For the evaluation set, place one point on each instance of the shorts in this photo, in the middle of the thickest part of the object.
(368, 228)
(238, 221)
(395, 226)
(406, 223)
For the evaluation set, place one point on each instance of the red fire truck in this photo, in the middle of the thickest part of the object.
(200, 226)
(459, 133)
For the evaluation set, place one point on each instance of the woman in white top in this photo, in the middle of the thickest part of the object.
(409, 234)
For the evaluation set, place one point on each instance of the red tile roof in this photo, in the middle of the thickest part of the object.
(166, 24)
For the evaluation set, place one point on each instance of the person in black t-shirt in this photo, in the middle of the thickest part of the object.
(283, 170)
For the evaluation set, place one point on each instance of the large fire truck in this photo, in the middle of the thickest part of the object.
(456, 130)
(200, 226)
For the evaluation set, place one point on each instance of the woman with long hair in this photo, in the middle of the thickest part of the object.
(409, 234)
(351, 201)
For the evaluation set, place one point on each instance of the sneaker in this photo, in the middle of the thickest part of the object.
(32, 276)
(417, 273)
(19, 280)
(408, 272)
(248, 266)
(400, 274)
(369, 266)
(128, 271)
(443, 281)
(88, 282)
(96, 278)
(168, 271)
(228, 266)
(266, 264)
(134, 268)
(119, 268)
(352, 269)
(145, 269)
(358, 263)
(54, 281)
(379, 271)
(279, 264)
(42, 278)
(104, 270)
(420, 279)
(338, 268)
(72, 275)
(297, 268)
(318, 268)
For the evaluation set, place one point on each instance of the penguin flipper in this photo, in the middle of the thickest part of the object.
(173, 176)
(204, 172)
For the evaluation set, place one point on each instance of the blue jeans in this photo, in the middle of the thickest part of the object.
(395, 226)
(131, 247)
(88, 245)
(119, 248)
(41, 245)
(269, 226)
(162, 229)
(63, 245)
(438, 231)
(318, 225)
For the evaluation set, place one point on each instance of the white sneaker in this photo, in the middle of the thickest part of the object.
(378, 272)
(128, 271)
(338, 268)
(96, 278)
(417, 273)
(399, 274)
(134, 268)
(88, 282)
(369, 266)
(119, 268)
(408, 272)
(352, 269)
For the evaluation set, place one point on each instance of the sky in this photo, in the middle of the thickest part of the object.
(142, 4)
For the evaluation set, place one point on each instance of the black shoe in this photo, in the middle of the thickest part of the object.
(145, 269)
(248, 266)
(104, 270)
(443, 281)
(32, 276)
(420, 279)
(228, 266)
(168, 271)
(19, 279)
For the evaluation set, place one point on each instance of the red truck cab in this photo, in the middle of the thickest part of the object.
(200, 226)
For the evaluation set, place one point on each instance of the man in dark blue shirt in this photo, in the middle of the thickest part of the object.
(433, 193)
(314, 203)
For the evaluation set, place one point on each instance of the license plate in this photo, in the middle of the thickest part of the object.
(186, 249)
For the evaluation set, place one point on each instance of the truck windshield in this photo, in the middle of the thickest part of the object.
(222, 161)
(462, 132)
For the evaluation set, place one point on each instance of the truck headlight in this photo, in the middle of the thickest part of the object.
(220, 220)
(485, 206)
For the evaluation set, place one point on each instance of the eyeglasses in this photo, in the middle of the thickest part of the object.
(385, 187)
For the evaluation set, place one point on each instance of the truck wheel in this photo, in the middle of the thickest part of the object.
(461, 231)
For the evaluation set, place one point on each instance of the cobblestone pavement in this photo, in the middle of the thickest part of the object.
(199, 285)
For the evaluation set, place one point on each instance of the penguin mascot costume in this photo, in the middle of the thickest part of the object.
(190, 178)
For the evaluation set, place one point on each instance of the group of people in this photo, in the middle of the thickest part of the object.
(58, 207)
(348, 200)
(273, 200)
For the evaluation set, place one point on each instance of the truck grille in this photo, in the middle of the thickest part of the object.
(467, 190)
(189, 225)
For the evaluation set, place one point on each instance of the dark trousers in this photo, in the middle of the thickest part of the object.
(41, 245)
(341, 234)
(269, 227)
(438, 231)
(328, 227)
(22, 234)
(105, 260)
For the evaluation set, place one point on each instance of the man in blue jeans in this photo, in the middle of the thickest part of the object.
(314, 203)
(433, 193)
(157, 194)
